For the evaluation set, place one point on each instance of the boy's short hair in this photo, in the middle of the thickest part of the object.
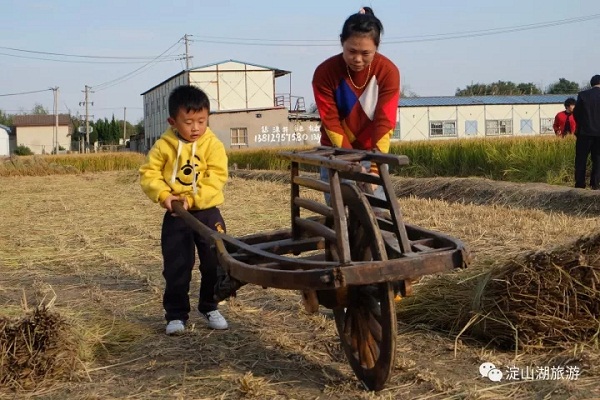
(595, 80)
(570, 102)
(189, 98)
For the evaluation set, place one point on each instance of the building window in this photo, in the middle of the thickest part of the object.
(471, 127)
(239, 137)
(495, 127)
(526, 126)
(396, 133)
(546, 125)
(442, 128)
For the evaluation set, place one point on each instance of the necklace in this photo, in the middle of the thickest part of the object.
(354, 84)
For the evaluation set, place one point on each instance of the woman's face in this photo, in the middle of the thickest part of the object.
(358, 51)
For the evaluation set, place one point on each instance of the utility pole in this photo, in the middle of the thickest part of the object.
(87, 103)
(55, 133)
(187, 51)
(124, 124)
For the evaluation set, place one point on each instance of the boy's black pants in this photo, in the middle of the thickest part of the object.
(178, 243)
(584, 146)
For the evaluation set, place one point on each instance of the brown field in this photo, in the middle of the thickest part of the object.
(88, 246)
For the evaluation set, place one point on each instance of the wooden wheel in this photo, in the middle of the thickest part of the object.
(366, 324)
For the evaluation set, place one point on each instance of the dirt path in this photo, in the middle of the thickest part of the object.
(92, 243)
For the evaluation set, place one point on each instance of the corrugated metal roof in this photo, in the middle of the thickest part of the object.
(40, 120)
(483, 100)
(278, 72)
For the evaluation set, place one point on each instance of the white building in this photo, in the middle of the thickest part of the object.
(41, 134)
(4, 141)
(424, 118)
(245, 110)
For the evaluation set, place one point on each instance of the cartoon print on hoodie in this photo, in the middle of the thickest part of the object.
(196, 170)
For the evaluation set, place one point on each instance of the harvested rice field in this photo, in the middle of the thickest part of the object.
(81, 290)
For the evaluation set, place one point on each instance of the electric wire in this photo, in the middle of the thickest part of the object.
(113, 82)
(22, 93)
(393, 40)
(85, 62)
(77, 55)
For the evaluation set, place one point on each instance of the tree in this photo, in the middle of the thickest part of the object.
(563, 86)
(498, 88)
(39, 109)
(407, 92)
(23, 151)
(5, 119)
(140, 129)
(528, 88)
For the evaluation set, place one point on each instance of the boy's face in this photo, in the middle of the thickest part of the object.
(570, 108)
(190, 124)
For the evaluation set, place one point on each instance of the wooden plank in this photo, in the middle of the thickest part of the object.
(314, 206)
(316, 228)
(312, 183)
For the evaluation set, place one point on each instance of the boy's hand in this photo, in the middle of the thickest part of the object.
(168, 203)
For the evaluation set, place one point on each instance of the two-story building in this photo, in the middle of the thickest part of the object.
(245, 110)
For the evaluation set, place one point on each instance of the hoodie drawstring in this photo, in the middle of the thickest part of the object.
(194, 187)
(176, 164)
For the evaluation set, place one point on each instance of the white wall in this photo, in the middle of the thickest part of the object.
(39, 139)
(4, 143)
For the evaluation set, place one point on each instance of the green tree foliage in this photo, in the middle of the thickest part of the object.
(5, 119)
(39, 109)
(498, 88)
(23, 151)
(563, 86)
(110, 132)
(406, 91)
(139, 127)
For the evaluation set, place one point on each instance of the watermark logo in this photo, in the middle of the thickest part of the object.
(529, 373)
(489, 370)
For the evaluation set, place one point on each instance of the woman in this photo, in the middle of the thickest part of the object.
(357, 91)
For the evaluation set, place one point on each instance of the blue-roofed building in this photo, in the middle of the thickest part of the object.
(424, 118)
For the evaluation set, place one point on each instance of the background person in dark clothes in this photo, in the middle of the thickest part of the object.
(587, 116)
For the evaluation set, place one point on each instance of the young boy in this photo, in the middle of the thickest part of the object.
(188, 164)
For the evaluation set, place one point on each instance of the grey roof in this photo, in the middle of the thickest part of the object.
(483, 100)
(278, 72)
(40, 120)
(6, 128)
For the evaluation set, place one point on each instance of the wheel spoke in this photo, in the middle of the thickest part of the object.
(375, 327)
(367, 359)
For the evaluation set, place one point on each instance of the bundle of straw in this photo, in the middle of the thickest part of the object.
(35, 347)
(539, 299)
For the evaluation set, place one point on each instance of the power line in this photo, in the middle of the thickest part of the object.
(393, 40)
(76, 55)
(492, 31)
(113, 82)
(17, 94)
(86, 62)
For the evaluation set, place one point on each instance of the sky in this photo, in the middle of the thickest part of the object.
(120, 49)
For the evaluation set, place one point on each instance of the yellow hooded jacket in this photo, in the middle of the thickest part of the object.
(197, 170)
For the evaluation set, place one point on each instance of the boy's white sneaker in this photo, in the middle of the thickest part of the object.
(215, 320)
(175, 327)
